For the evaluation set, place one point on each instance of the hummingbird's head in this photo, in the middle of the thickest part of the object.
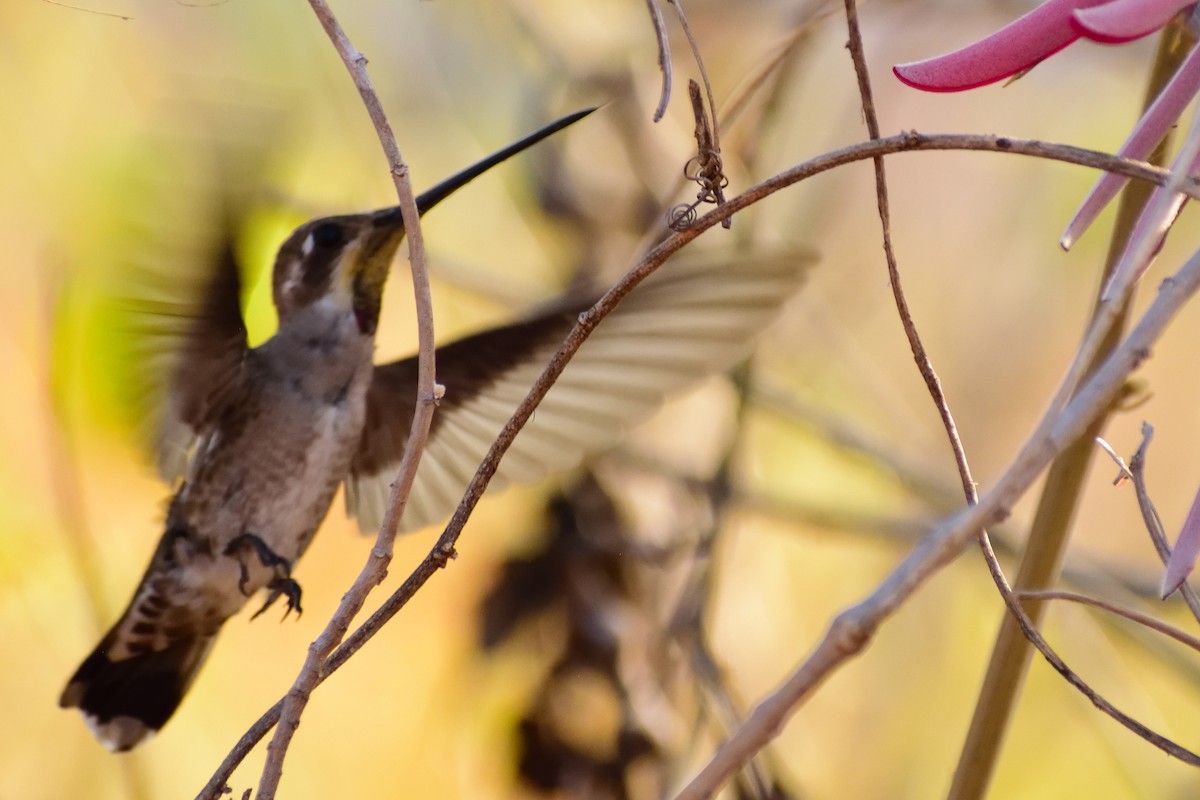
(343, 259)
(347, 258)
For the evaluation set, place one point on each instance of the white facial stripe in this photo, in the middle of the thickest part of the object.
(307, 247)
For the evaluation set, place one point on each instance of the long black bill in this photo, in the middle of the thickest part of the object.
(436, 194)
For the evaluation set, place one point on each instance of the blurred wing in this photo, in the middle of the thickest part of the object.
(690, 319)
(191, 346)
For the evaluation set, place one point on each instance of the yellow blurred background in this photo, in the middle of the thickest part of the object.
(115, 137)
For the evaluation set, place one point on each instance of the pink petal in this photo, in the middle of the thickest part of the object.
(1154, 124)
(1162, 222)
(1153, 223)
(1125, 20)
(1014, 48)
(1187, 550)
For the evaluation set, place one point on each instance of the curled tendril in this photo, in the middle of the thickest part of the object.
(681, 217)
(706, 171)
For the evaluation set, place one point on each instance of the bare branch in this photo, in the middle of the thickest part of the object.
(1048, 535)
(1121, 611)
(712, 104)
(1027, 626)
(937, 549)
(1137, 469)
(853, 628)
(1025, 623)
(375, 570)
(1031, 633)
(705, 169)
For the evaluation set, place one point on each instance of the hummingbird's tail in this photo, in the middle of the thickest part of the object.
(126, 689)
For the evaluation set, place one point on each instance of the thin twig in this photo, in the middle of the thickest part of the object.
(1111, 308)
(1150, 516)
(375, 570)
(1137, 469)
(709, 169)
(1123, 472)
(1060, 497)
(705, 169)
(121, 17)
(1026, 624)
(712, 104)
(741, 99)
(936, 550)
(1031, 633)
(932, 383)
(852, 629)
(664, 58)
(1121, 611)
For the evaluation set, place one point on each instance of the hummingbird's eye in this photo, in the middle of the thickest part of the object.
(328, 234)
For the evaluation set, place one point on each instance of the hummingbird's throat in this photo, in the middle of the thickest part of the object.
(367, 317)
(367, 282)
(367, 300)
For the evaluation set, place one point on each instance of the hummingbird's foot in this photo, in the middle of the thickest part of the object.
(282, 584)
(286, 587)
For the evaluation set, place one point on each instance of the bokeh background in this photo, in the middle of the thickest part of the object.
(119, 136)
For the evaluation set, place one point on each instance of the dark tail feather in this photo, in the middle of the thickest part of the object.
(124, 702)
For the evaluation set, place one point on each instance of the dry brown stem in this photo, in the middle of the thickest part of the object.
(375, 570)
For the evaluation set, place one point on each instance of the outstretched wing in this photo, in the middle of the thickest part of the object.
(190, 343)
(690, 319)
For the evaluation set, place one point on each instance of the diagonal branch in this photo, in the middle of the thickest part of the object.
(1023, 620)
(1137, 470)
(1060, 497)
(852, 629)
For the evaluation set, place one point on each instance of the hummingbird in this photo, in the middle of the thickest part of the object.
(258, 440)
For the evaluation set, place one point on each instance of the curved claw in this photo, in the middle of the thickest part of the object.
(282, 585)
(285, 587)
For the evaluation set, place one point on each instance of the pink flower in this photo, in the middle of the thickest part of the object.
(1040, 34)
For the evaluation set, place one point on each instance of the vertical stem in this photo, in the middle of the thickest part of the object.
(1049, 534)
